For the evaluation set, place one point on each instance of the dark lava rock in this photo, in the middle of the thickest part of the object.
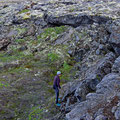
(106, 93)
(101, 117)
(115, 37)
(4, 43)
(75, 21)
(116, 65)
(94, 75)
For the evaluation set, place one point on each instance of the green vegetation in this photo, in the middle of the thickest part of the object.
(72, 9)
(90, 8)
(40, 68)
(18, 70)
(52, 57)
(20, 41)
(36, 114)
(21, 30)
(3, 85)
(7, 58)
(52, 33)
(82, 35)
(66, 71)
(66, 67)
(24, 11)
(16, 55)
(98, 77)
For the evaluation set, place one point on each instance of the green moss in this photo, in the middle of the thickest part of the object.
(72, 9)
(24, 11)
(21, 30)
(16, 70)
(36, 114)
(51, 91)
(50, 83)
(90, 8)
(52, 57)
(2, 79)
(66, 67)
(52, 32)
(98, 77)
(65, 70)
(51, 106)
(4, 85)
(16, 55)
(20, 41)
(6, 58)
(2, 112)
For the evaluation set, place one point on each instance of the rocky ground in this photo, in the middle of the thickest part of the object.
(79, 38)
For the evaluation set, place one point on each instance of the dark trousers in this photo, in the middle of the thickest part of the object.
(56, 93)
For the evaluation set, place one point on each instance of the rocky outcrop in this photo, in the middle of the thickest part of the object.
(93, 76)
(115, 67)
(115, 36)
(75, 21)
(79, 38)
(107, 92)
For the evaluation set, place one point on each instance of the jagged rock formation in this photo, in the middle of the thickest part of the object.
(80, 38)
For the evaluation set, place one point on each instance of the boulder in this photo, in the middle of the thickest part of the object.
(75, 21)
(114, 39)
(116, 65)
(81, 91)
(94, 75)
(105, 94)
(68, 89)
(101, 117)
(117, 113)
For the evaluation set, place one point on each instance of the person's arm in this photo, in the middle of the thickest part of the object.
(54, 80)
(58, 82)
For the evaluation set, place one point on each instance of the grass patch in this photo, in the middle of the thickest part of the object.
(4, 85)
(16, 70)
(52, 57)
(65, 71)
(21, 30)
(72, 9)
(52, 33)
(51, 91)
(16, 55)
(66, 67)
(36, 114)
(24, 11)
(20, 41)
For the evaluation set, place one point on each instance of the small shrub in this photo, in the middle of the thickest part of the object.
(52, 57)
(65, 70)
(66, 67)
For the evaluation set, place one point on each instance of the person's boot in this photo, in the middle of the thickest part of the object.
(58, 104)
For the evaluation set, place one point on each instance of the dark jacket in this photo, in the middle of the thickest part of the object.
(56, 82)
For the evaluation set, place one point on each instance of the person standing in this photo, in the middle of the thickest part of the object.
(56, 86)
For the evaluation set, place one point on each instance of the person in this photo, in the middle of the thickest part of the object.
(56, 86)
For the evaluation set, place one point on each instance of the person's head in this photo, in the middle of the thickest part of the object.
(59, 73)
